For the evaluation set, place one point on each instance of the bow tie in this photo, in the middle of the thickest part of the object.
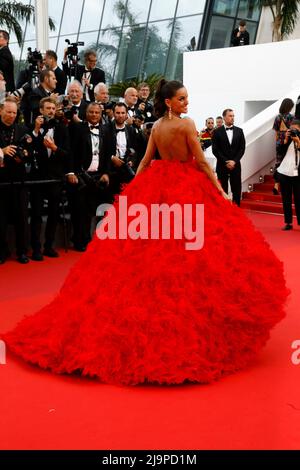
(94, 127)
(229, 128)
(120, 130)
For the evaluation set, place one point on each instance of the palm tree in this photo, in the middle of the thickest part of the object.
(285, 15)
(11, 13)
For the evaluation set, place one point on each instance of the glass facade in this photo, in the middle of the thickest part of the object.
(136, 38)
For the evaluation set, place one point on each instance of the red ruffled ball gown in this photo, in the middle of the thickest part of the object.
(150, 311)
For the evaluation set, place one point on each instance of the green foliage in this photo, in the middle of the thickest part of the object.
(118, 89)
(11, 13)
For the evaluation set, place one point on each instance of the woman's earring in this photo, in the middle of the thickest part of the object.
(170, 113)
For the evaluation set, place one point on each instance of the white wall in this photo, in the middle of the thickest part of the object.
(226, 78)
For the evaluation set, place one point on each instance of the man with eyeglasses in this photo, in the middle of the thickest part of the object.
(6, 61)
(88, 75)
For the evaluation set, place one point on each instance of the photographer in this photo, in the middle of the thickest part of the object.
(119, 147)
(61, 78)
(75, 110)
(92, 175)
(88, 75)
(52, 160)
(288, 172)
(15, 152)
(143, 103)
(45, 89)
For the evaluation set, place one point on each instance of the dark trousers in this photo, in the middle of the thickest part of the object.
(14, 209)
(234, 176)
(51, 192)
(84, 201)
(290, 185)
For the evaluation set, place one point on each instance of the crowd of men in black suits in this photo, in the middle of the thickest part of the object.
(72, 139)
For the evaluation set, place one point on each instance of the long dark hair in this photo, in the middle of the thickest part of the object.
(165, 90)
(286, 106)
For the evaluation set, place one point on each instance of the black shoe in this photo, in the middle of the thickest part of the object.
(23, 259)
(50, 252)
(275, 192)
(288, 227)
(80, 248)
(37, 256)
(2, 259)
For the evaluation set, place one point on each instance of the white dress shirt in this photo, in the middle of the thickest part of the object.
(95, 149)
(229, 133)
(288, 165)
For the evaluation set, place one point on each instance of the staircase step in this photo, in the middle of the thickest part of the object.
(264, 186)
(262, 206)
(262, 196)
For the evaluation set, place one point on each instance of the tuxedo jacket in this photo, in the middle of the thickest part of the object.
(222, 149)
(34, 99)
(235, 41)
(7, 67)
(12, 170)
(110, 142)
(61, 81)
(82, 109)
(60, 162)
(82, 150)
(97, 76)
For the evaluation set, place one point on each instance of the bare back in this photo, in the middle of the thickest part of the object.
(170, 137)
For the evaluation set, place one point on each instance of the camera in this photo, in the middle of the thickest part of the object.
(69, 113)
(20, 92)
(33, 57)
(86, 180)
(72, 50)
(48, 124)
(22, 147)
(294, 133)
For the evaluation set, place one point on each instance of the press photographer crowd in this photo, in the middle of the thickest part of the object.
(63, 143)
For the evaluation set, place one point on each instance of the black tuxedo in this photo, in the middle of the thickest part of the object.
(118, 176)
(34, 99)
(81, 109)
(13, 198)
(48, 167)
(7, 67)
(88, 194)
(243, 39)
(61, 81)
(223, 152)
(97, 76)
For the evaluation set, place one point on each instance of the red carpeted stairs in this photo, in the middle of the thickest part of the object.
(261, 199)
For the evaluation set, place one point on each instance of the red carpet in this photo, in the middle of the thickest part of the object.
(258, 408)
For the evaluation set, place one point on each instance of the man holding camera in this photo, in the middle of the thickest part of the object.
(88, 75)
(288, 173)
(52, 162)
(143, 103)
(92, 177)
(13, 193)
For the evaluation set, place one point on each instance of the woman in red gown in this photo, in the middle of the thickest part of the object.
(149, 310)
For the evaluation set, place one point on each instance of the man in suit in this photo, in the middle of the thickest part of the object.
(13, 197)
(52, 161)
(228, 146)
(44, 90)
(88, 75)
(77, 103)
(240, 36)
(61, 78)
(119, 147)
(6, 61)
(91, 173)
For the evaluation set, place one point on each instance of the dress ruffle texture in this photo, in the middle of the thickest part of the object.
(150, 311)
